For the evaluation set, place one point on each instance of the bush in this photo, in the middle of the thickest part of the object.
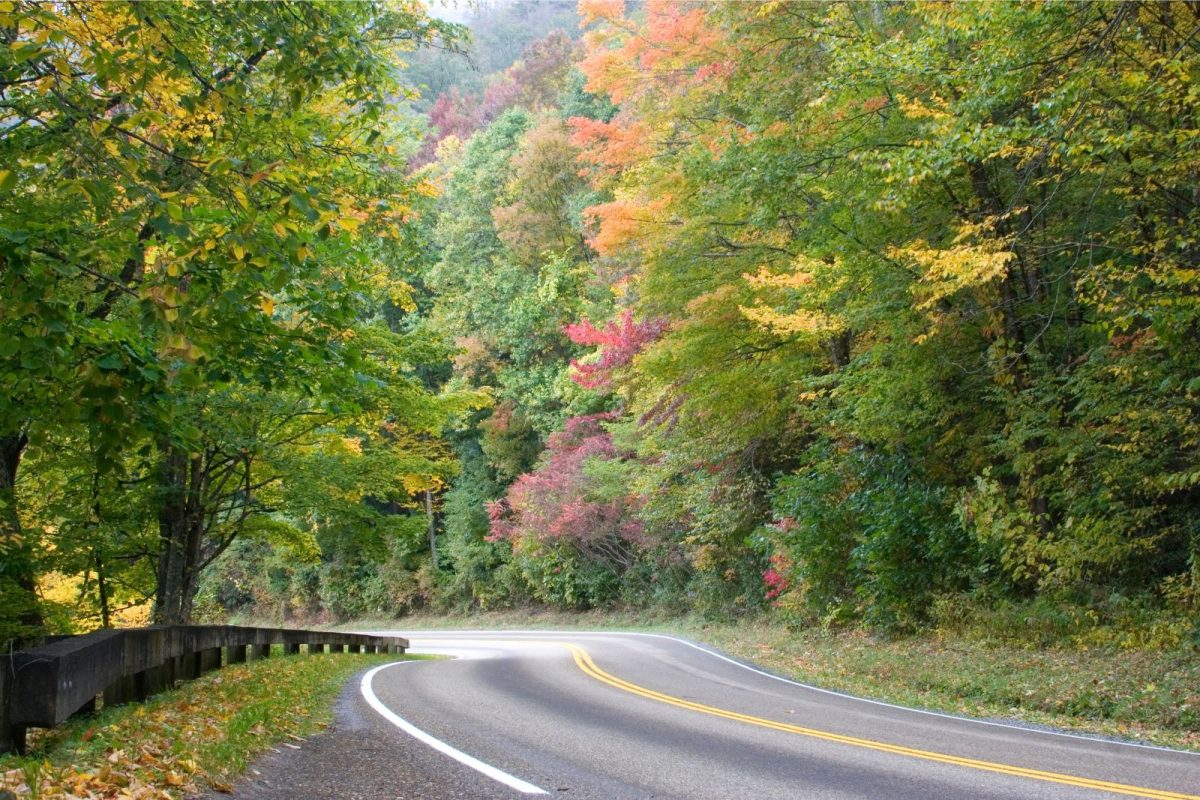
(868, 539)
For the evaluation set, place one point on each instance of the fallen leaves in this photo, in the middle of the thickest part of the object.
(202, 734)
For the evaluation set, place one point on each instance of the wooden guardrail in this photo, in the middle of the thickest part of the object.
(41, 687)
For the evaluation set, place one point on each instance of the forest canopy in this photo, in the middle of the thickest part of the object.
(852, 313)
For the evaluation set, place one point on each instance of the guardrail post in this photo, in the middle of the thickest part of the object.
(210, 659)
(12, 737)
(187, 666)
(155, 679)
(123, 691)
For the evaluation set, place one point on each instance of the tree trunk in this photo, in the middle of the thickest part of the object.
(181, 532)
(102, 592)
(18, 595)
(432, 527)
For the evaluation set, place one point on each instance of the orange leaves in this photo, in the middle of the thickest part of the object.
(593, 10)
(661, 70)
(675, 37)
(613, 145)
(610, 72)
(676, 41)
(620, 222)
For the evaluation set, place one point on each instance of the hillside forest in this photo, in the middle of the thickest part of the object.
(851, 314)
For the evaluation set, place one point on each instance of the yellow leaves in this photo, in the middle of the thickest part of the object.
(267, 304)
(933, 107)
(797, 302)
(813, 323)
(950, 270)
(56, 587)
(426, 188)
(976, 259)
(797, 279)
(400, 293)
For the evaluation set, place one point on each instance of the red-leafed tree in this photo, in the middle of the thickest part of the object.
(576, 506)
(619, 341)
(534, 83)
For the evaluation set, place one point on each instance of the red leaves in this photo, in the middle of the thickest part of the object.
(559, 501)
(777, 576)
(533, 82)
(619, 341)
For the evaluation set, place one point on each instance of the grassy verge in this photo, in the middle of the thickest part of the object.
(202, 734)
(1146, 695)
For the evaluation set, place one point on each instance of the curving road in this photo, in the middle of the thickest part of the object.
(618, 715)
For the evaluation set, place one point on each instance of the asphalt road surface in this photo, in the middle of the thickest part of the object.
(606, 716)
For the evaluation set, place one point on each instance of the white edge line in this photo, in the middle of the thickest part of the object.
(1097, 738)
(437, 744)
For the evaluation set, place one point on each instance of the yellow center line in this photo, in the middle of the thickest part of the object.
(585, 663)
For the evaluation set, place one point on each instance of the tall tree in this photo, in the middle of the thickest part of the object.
(179, 182)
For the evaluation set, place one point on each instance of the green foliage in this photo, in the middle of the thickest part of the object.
(204, 215)
(893, 305)
(869, 538)
(480, 573)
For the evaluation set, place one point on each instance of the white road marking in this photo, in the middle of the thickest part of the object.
(437, 744)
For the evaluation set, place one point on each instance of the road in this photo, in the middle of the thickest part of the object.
(617, 715)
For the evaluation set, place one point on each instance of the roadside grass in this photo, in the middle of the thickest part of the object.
(1148, 695)
(199, 735)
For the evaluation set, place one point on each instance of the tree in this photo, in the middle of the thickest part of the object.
(183, 191)
(571, 522)
(920, 235)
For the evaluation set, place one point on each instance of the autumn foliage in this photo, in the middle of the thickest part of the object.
(557, 502)
(619, 341)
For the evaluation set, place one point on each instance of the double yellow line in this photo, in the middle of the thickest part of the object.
(585, 663)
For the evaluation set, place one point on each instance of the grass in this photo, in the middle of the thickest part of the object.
(1141, 694)
(202, 734)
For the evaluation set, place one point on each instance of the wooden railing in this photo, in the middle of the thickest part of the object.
(43, 686)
